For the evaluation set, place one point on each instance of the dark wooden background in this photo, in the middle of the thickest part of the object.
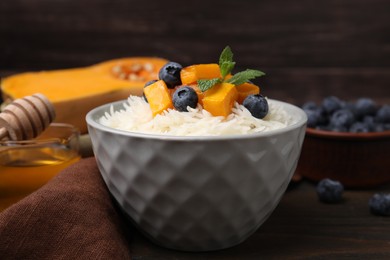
(309, 49)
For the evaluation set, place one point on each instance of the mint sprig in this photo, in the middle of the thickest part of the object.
(243, 76)
(226, 65)
(205, 84)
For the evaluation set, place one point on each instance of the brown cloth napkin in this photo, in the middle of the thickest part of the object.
(71, 217)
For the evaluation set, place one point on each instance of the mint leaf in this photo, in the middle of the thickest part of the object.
(226, 63)
(226, 67)
(226, 55)
(205, 84)
(244, 76)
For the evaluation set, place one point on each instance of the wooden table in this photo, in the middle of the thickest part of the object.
(301, 227)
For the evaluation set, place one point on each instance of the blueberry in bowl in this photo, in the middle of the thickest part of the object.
(348, 141)
(170, 73)
(184, 97)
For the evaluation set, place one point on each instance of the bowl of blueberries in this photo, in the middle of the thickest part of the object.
(347, 141)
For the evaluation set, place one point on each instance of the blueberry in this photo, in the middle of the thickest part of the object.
(364, 107)
(316, 117)
(359, 127)
(383, 114)
(257, 105)
(309, 106)
(329, 191)
(323, 127)
(369, 122)
(147, 84)
(170, 73)
(332, 104)
(379, 127)
(379, 204)
(312, 118)
(184, 97)
(382, 127)
(341, 119)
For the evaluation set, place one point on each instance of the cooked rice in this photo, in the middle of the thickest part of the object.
(136, 116)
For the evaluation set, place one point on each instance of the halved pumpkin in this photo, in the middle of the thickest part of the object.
(76, 91)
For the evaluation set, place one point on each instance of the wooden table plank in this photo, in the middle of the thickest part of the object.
(301, 227)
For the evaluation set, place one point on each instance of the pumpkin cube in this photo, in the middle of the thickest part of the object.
(158, 96)
(245, 90)
(193, 73)
(220, 99)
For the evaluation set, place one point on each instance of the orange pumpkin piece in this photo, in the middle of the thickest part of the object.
(193, 73)
(159, 97)
(245, 90)
(220, 99)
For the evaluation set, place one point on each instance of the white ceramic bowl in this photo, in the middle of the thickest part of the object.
(197, 193)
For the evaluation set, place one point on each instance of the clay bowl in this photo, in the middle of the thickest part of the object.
(357, 160)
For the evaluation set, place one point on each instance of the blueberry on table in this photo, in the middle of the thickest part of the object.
(257, 105)
(379, 204)
(329, 191)
(184, 97)
(170, 74)
(150, 82)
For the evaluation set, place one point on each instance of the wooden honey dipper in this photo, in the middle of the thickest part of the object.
(26, 118)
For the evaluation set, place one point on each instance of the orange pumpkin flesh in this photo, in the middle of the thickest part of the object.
(193, 73)
(220, 99)
(245, 90)
(76, 91)
(159, 97)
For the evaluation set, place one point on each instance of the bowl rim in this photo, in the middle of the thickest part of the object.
(91, 122)
(313, 132)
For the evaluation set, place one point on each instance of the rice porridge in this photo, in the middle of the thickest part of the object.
(136, 116)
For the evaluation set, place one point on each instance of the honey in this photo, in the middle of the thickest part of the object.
(27, 165)
(24, 170)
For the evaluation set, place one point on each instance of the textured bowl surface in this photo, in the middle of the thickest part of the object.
(197, 193)
(357, 160)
